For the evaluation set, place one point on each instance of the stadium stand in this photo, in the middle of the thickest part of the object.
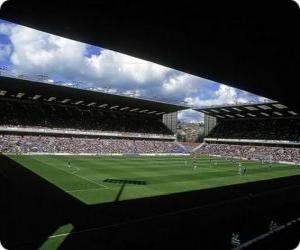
(51, 144)
(42, 115)
(262, 131)
(246, 46)
(267, 153)
(265, 129)
(43, 118)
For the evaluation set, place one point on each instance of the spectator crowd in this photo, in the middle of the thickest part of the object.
(46, 115)
(51, 144)
(54, 116)
(266, 153)
(264, 129)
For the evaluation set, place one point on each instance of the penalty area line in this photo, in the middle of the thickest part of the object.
(75, 171)
(84, 178)
(77, 175)
(83, 190)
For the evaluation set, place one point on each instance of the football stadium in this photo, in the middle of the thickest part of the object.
(85, 169)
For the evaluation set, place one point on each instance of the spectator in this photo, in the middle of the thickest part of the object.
(50, 144)
(43, 115)
(265, 153)
(263, 129)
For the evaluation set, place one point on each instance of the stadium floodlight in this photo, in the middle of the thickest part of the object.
(265, 114)
(239, 115)
(3, 92)
(226, 110)
(160, 113)
(52, 98)
(220, 116)
(216, 111)
(65, 100)
(144, 110)
(277, 113)
(135, 109)
(230, 116)
(151, 112)
(20, 95)
(113, 107)
(251, 108)
(292, 112)
(265, 107)
(102, 105)
(124, 108)
(250, 114)
(237, 109)
(91, 104)
(36, 97)
(79, 102)
(279, 106)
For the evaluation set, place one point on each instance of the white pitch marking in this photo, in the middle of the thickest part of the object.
(76, 171)
(87, 179)
(82, 190)
(84, 178)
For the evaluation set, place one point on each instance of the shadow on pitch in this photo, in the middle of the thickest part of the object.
(32, 209)
(123, 184)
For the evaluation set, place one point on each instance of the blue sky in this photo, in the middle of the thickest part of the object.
(28, 51)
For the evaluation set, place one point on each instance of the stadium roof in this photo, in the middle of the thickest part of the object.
(253, 46)
(249, 110)
(24, 89)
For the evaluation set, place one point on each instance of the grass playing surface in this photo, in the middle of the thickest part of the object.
(85, 178)
(93, 180)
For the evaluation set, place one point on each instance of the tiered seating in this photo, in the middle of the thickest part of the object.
(266, 153)
(265, 129)
(50, 144)
(42, 118)
(44, 115)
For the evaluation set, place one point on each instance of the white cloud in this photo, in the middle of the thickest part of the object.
(5, 28)
(181, 83)
(135, 69)
(38, 52)
(35, 52)
(190, 115)
(264, 99)
(224, 95)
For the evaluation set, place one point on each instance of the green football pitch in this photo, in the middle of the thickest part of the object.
(92, 180)
(102, 179)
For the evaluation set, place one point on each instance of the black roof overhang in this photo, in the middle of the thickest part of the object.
(249, 110)
(30, 89)
(253, 46)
